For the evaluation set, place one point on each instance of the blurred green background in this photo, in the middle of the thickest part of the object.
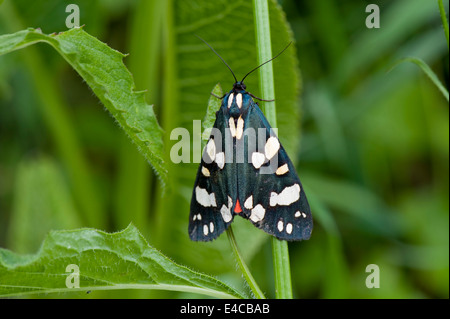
(373, 153)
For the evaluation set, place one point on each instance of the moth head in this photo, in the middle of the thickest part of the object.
(239, 86)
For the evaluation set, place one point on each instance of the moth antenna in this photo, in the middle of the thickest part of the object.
(267, 61)
(218, 56)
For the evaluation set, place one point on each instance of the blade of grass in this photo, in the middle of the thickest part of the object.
(264, 53)
(425, 68)
(166, 206)
(245, 271)
(280, 250)
(444, 19)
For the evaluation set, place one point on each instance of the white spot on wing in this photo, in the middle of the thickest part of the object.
(257, 213)
(205, 229)
(211, 227)
(249, 202)
(220, 159)
(258, 159)
(272, 147)
(232, 126)
(205, 171)
(289, 228)
(280, 225)
(239, 100)
(283, 169)
(203, 198)
(226, 211)
(230, 100)
(289, 195)
(297, 214)
(273, 199)
(226, 215)
(211, 149)
(212, 199)
(239, 128)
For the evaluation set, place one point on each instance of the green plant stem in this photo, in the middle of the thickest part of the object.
(444, 19)
(280, 250)
(282, 269)
(245, 271)
(264, 53)
(166, 202)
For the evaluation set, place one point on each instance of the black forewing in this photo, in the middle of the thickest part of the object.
(221, 182)
(251, 182)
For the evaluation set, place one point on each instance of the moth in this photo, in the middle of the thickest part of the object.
(245, 171)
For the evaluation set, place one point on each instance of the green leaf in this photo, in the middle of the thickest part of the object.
(210, 116)
(103, 70)
(122, 260)
(425, 68)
